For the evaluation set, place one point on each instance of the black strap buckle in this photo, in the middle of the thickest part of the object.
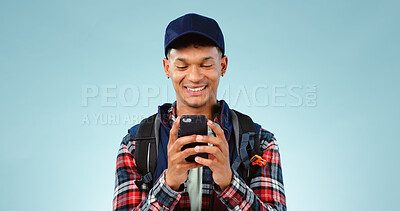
(147, 178)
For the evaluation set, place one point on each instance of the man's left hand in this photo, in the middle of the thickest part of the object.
(218, 155)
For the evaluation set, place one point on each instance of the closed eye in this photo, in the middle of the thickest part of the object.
(181, 67)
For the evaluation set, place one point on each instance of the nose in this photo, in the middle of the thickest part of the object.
(194, 74)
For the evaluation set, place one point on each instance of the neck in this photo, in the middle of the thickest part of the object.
(207, 110)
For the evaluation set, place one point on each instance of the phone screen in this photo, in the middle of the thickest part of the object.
(193, 125)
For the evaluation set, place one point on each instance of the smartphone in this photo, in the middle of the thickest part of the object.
(193, 125)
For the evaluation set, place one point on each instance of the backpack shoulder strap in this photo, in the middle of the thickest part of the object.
(247, 143)
(146, 144)
(246, 125)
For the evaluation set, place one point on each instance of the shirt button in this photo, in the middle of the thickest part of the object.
(171, 199)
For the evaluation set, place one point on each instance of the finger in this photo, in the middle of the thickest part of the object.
(211, 150)
(209, 139)
(180, 142)
(186, 153)
(179, 157)
(216, 128)
(189, 165)
(220, 143)
(203, 161)
(173, 134)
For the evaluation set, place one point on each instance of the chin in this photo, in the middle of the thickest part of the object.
(198, 103)
(195, 104)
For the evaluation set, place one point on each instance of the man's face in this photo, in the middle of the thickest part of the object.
(195, 73)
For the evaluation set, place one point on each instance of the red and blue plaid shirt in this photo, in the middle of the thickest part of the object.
(264, 192)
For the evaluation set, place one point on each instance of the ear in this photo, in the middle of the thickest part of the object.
(224, 65)
(166, 67)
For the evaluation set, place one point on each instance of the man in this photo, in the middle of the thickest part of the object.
(195, 61)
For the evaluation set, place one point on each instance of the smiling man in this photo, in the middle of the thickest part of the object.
(242, 170)
(195, 70)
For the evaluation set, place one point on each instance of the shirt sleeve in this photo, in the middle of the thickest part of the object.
(127, 196)
(266, 190)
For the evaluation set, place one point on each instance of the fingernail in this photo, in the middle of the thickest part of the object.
(210, 122)
(199, 138)
(197, 148)
(196, 159)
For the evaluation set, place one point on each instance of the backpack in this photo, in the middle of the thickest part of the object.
(246, 140)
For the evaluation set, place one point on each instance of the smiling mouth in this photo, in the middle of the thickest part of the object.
(197, 89)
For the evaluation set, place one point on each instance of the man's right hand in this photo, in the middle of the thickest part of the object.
(177, 171)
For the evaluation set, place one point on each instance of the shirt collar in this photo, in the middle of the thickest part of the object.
(217, 113)
(221, 115)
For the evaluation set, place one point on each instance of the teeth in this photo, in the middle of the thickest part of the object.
(196, 89)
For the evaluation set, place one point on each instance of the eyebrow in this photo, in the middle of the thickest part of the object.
(181, 59)
(207, 58)
(204, 59)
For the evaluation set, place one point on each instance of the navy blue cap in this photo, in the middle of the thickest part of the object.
(194, 23)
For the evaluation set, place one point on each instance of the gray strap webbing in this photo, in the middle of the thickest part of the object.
(235, 124)
(247, 138)
(243, 157)
(157, 124)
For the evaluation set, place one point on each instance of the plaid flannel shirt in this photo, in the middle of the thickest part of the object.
(265, 191)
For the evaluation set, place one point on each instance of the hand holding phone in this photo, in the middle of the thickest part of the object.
(193, 125)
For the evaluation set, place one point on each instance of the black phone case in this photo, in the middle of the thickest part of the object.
(193, 125)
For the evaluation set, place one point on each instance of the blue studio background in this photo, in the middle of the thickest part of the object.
(321, 75)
